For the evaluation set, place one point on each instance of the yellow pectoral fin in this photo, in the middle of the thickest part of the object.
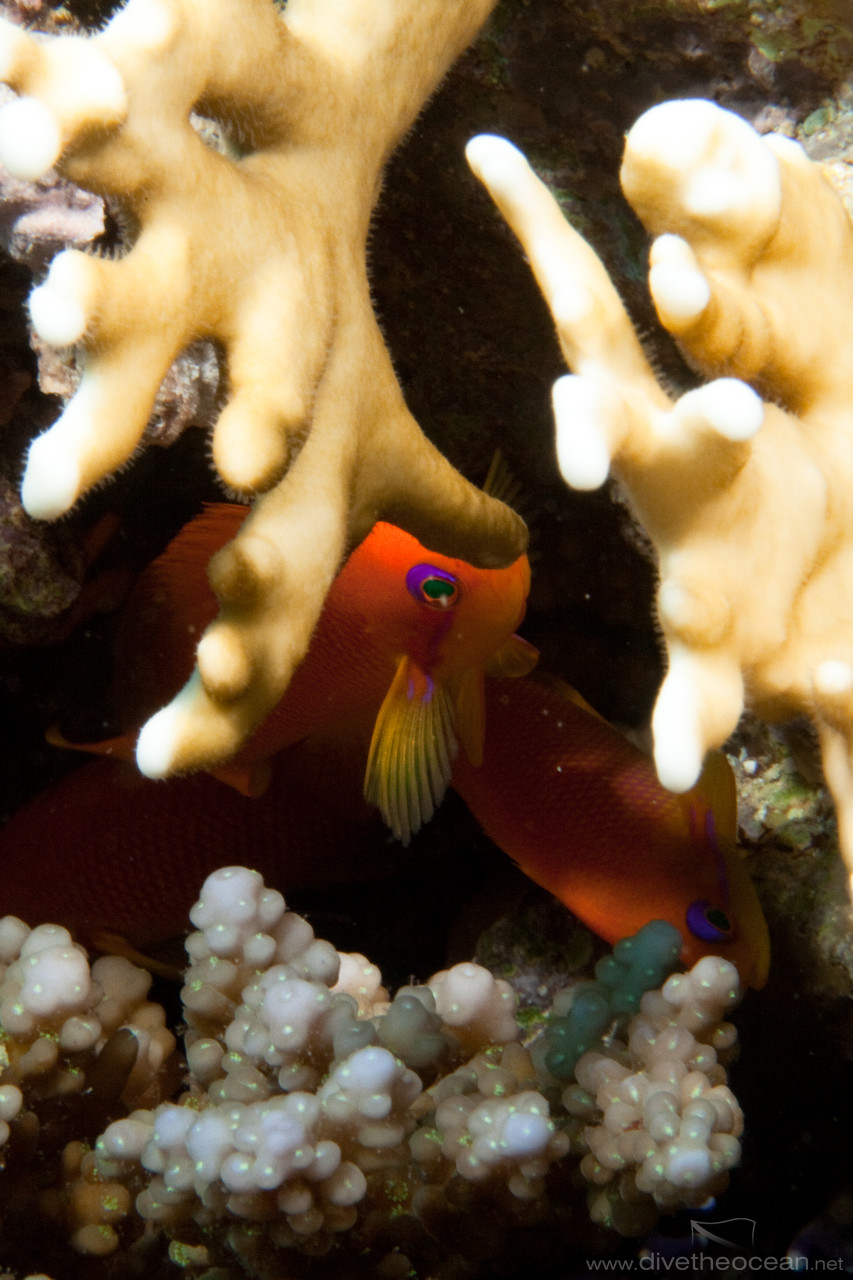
(516, 657)
(412, 750)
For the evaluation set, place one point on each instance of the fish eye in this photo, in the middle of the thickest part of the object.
(432, 586)
(708, 922)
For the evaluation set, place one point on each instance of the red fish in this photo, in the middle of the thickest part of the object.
(114, 855)
(405, 634)
(118, 858)
(580, 810)
(577, 807)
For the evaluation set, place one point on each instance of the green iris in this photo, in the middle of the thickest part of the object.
(438, 588)
(718, 919)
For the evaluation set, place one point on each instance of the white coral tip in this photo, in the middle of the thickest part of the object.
(678, 764)
(689, 1166)
(679, 292)
(30, 139)
(157, 741)
(732, 408)
(583, 455)
(55, 979)
(145, 24)
(51, 483)
(676, 132)
(58, 307)
(526, 1134)
(678, 748)
(833, 678)
(496, 162)
(726, 406)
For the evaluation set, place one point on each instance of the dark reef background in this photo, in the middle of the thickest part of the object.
(475, 352)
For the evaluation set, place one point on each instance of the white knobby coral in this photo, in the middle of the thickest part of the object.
(307, 1106)
(57, 1013)
(658, 1117)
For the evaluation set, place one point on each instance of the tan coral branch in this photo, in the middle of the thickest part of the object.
(263, 251)
(749, 501)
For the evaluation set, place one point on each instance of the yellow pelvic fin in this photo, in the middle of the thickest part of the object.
(516, 657)
(500, 482)
(561, 686)
(717, 790)
(412, 750)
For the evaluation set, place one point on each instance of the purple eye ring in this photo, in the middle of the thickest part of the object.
(433, 586)
(708, 922)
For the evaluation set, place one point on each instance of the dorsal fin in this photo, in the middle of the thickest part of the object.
(193, 546)
(500, 482)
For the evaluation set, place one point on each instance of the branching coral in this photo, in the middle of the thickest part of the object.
(72, 1040)
(311, 1095)
(57, 1015)
(747, 500)
(658, 1119)
(306, 1066)
(263, 251)
(315, 1106)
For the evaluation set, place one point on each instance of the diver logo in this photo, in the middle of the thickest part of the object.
(733, 1233)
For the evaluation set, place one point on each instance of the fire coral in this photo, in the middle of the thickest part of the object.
(263, 250)
(745, 484)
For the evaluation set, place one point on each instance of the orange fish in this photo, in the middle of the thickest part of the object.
(405, 634)
(406, 637)
(580, 810)
(113, 855)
